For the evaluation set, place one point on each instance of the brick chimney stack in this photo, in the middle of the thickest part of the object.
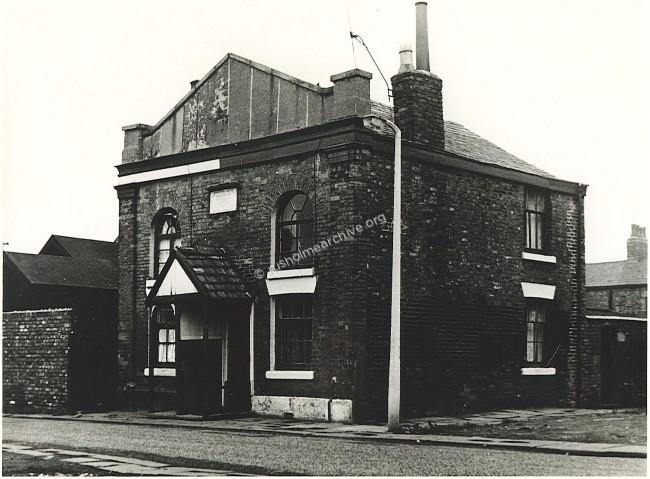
(637, 244)
(417, 93)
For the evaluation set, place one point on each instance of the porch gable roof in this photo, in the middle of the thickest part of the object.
(205, 271)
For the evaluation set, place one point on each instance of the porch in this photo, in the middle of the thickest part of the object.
(199, 314)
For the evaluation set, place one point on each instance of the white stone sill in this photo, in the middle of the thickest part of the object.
(168, 372)
(290, 273)
(538, 371)
(543, 258)
(303, 375)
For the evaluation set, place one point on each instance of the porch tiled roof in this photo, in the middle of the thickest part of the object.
(212, 273)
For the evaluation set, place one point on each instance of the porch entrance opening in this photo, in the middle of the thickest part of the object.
(196, 377)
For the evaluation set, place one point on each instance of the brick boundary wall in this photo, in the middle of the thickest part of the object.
(35, 360)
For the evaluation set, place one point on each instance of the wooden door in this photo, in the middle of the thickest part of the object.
(609, 366)
(199, 379)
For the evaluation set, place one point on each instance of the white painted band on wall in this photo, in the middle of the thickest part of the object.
(171, 172)
(305, 375)
(616, 318)
(538, 290)
(538, 371)
(168, 372)
(544, 258)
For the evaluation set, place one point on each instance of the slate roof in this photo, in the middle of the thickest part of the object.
(64, 271)
(617, 273)
(211, 272)
(83, 248)
(463, 142)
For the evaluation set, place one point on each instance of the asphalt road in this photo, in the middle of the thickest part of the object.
(282, 454)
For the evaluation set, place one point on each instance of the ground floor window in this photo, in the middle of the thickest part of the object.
(165, 333)
(293, 326)
(535, 320)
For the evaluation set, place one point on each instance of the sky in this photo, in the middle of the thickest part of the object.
(563, 85)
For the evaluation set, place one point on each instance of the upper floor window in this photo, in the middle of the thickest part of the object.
(295, 225)
(536, 220)
(166, 236)
(293, 326)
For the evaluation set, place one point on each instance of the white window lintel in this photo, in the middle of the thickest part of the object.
(291, 285)
(538, 290)
(304, 375)
(290, 273)
(168, 372)
(544, 258)
(538, 371)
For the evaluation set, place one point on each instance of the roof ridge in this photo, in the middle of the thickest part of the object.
(82, 239)
(637, 260)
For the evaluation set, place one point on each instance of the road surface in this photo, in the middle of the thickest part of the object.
(270, 454)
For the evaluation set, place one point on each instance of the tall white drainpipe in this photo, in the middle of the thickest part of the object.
(376, 123)
(395, 311)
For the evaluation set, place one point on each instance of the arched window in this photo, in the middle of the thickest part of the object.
(166, 236)
(295, 225)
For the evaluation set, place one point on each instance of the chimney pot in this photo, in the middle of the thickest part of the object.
(405, 58)
(421, 37)
(193, 84)
(637, 244)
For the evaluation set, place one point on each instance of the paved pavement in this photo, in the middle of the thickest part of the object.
(273, 453)
(501, 415)
(113, 464)
(378, 432)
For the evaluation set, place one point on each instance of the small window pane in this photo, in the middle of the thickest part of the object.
(162, 353)
(162, 336)
(171, 335)
(171, 353)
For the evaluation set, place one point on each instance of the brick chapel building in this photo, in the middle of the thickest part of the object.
(255, 254)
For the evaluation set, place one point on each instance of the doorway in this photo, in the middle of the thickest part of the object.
(199, 376)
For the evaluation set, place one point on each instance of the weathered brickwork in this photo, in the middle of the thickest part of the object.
(246, 236)
(418, 107)
(615, 363)
(463, 324)
(35, 367)
(621, 300)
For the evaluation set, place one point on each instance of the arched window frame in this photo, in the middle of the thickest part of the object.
(165, 228)
(300, 216)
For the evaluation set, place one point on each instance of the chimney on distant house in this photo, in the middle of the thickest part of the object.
(637, 244)
(417, 93)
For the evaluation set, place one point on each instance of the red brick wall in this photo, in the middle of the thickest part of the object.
(35, 360)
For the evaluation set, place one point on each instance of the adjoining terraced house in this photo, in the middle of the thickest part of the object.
(615, 336)
(252, 166)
